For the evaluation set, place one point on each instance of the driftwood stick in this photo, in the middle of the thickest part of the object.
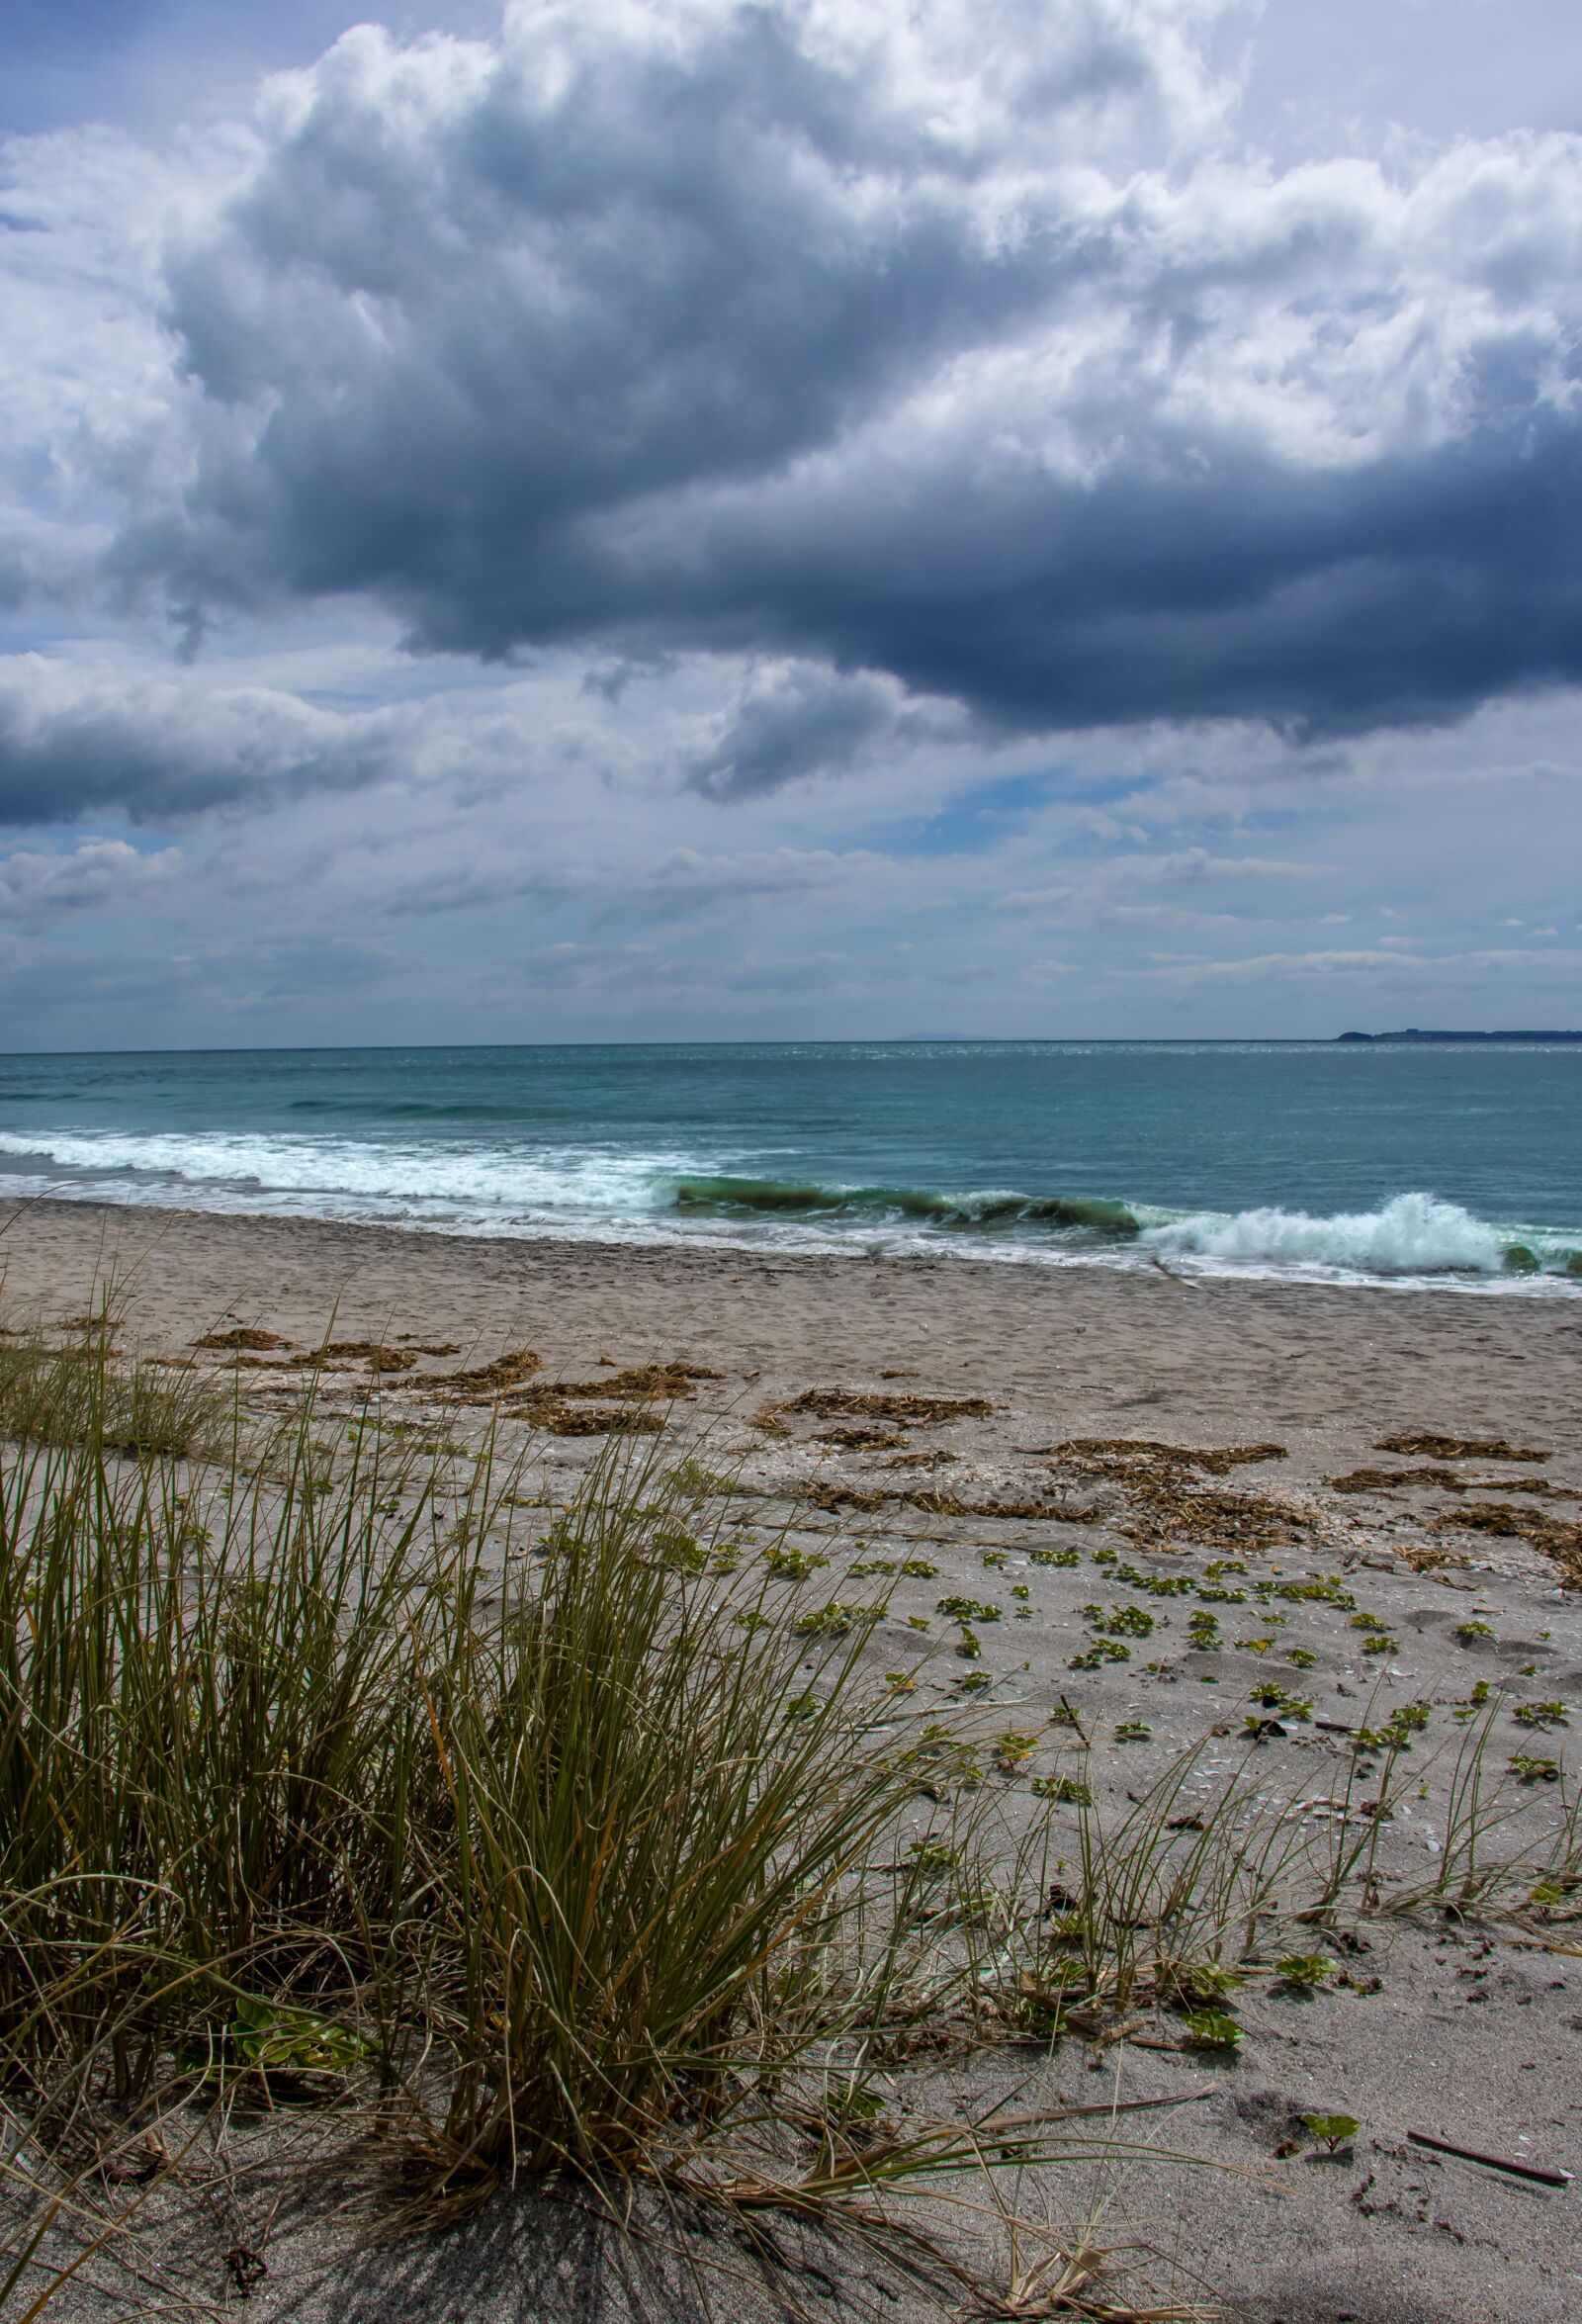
(1472, 2154)
(1184, 2097)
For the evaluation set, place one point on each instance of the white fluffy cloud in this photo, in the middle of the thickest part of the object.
(99, 875)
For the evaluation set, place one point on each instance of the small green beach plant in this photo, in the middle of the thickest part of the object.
(1065, 1791)
(1212, 2029)
(1304, 1972)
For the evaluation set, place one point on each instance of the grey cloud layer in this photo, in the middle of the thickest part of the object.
(791, 719)
(83, 739)
(954, 349)
(74, 744)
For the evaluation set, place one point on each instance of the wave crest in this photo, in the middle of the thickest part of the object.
(1412, 1234)
(784, 1197)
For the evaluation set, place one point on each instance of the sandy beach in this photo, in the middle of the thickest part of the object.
(1070, 1350)
(826, 1387)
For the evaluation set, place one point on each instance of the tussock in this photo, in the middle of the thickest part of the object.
(314, 1788)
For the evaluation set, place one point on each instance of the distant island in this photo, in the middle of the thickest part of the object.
(1415, 1033)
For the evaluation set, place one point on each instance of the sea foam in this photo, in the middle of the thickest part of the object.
(1412, 1234)
(469, 1180)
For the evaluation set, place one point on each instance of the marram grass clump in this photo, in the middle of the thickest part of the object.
(285, 1726)
(333, 1770)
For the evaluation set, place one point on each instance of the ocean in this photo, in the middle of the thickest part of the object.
(1456, 1165)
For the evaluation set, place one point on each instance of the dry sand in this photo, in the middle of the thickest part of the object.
(1471, 2033)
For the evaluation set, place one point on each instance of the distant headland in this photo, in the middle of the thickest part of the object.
(1415, 1033)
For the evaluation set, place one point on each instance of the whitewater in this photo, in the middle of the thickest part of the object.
(1290, 1160)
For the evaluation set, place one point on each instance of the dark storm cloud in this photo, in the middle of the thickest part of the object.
(948, 349)
(1410, 589)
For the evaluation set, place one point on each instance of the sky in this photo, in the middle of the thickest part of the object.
(676, 519)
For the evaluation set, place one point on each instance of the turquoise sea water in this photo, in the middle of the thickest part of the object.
(1301, 1159)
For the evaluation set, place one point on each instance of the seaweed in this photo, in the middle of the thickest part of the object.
(639, 1380)
(934, 1501)
(1249, 1520)
(1426, 1560)
(834, 1403)
(1459, 1448)
(1105, 1452)
(506, 1371)
(596, 1420)
(1363, 1480)
(551, 1404)
(1392, 1480)
(833, 1498)
(380, 1358)
(1170, 1506)
(1045, 1512)
(1555, 1537)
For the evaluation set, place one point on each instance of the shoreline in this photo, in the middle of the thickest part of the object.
(1322, 1367)
(1197, 1269)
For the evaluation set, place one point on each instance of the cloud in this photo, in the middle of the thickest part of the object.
(775, 423)
(681, 883)
(1095, 891)
(1392, 968)
(689, 876)
(76, 742)
(793, 719)
(102, 875)
(952, 349)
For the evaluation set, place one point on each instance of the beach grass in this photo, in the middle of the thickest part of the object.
(322, 1778)
(336, 1769)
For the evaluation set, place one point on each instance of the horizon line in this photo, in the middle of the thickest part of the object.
(814, 1040)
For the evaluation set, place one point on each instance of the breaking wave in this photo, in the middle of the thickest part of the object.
(1412, 1234)
(615, 1193)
